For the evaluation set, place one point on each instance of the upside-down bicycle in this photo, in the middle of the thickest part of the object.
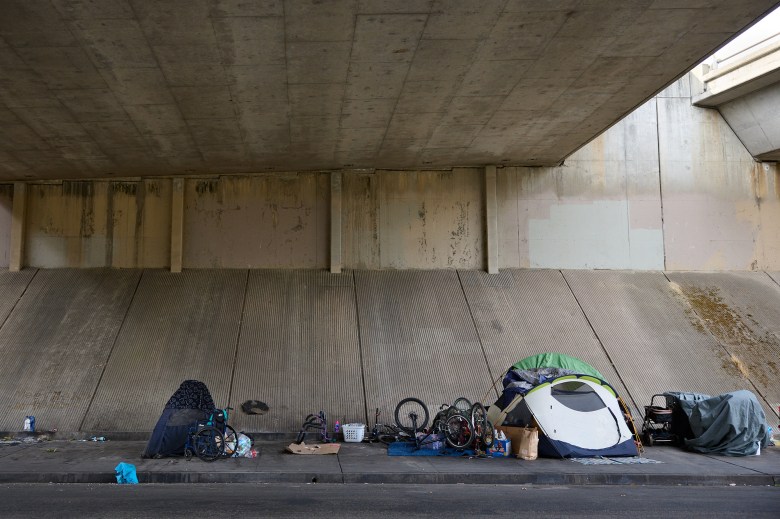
(461, 424)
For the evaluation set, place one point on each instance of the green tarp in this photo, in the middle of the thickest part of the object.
(558, 360)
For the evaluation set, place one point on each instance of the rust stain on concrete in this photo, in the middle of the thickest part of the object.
(689, 312)
(153, 187)
(749, 355)
(206, 186)
(127, 188)
(79, 188)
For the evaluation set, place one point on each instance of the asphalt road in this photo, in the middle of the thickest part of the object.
(368, 501)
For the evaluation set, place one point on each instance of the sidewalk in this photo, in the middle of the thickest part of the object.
(63, 461)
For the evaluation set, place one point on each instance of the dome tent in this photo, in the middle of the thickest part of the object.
(577, 412)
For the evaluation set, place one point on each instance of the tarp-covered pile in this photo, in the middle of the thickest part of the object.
(733, 424)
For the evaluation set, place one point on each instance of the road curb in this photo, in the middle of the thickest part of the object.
(539, 479)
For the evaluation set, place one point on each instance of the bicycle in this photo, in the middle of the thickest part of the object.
(484, 432)
(317, 422)
(385, 433)
(411, 418)
(453, 423)
(466, 424)
(212, 438)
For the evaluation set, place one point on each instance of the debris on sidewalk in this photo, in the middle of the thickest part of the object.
(125, 474)
(630, 460)
(302, 448)
(9, 441)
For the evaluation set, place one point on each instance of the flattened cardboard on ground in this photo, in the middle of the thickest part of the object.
(324, 448)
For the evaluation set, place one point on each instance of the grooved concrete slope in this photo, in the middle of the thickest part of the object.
(101, 351)
(180, 326)
(653, 335)
(56, 342)
(524, 312)
(418, 340)
(299, 350)
(131, 87)
(742, 311)
(12, 286)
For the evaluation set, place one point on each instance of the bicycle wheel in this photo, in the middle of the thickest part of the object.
(458, 431)
(230, 441)
(463, 405)
(478, 414)
(208, 443)
(488, 435)
(411, 415)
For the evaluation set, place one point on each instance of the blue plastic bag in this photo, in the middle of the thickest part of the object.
(125, 474)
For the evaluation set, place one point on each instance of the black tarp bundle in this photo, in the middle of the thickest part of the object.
(190, 403)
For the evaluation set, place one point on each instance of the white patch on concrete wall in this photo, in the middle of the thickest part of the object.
(592, 235)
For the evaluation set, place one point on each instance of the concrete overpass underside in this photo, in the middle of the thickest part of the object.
(128, 88)
(100, 351)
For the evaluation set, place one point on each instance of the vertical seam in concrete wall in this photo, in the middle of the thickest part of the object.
(111, 351)
(603, 348)
(21, 296)
(517, 221)
(18, 225)
(109, 252)
(360, 343)
(140, 202)
(238, 340)
(660, 177)
(376, 182)
(335, 222)
(628, 206)
(491, 219)
(177, 224)
(476, 331)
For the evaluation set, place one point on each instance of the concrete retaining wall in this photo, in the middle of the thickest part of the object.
(102, 350)
(669, 187)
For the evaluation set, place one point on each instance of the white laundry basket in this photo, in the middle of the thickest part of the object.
(353, 432)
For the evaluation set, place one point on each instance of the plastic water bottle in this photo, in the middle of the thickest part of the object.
(336, 428)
